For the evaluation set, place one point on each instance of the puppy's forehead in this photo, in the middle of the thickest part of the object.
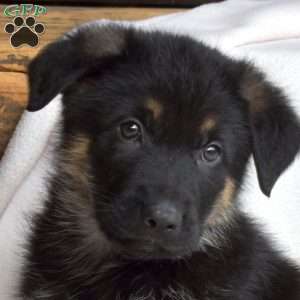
(172, 121)
(177, 81)
(207, 121)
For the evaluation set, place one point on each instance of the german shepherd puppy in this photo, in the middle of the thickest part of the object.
(157, 130)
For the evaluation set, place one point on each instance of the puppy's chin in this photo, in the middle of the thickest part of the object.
(154, 250)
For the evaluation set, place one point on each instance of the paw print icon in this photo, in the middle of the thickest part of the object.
(24, 31)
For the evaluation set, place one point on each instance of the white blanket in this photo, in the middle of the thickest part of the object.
(264, 31)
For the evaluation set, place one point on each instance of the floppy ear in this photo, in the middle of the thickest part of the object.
(274, 126)
(64, 61)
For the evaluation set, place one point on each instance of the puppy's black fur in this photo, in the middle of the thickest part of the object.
(157, 132)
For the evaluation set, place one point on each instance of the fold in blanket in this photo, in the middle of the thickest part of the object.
(265, 32)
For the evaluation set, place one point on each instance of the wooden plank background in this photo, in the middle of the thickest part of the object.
(13, 62)
(151, 3)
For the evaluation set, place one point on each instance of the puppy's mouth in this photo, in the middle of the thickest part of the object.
(153, 250)
(143, 238)
(148, 248)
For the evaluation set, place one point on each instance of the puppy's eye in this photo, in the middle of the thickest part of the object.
(130, 130)
(211, 152)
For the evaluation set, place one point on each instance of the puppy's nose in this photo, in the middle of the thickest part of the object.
(163, 217)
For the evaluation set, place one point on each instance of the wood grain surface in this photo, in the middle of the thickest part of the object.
(13, 62)
(152, 3)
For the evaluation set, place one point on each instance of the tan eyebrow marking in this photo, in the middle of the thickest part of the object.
(223, 203)
(155, 107)
(208, 124)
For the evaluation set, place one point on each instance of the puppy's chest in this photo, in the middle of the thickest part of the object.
(145, 292)
(137, 281)
(159, 283)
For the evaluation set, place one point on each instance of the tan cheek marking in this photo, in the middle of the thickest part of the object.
(79, 147)
(223, 202)
(75, 157)
(77, 198)
(155, 107)
(208, 124)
